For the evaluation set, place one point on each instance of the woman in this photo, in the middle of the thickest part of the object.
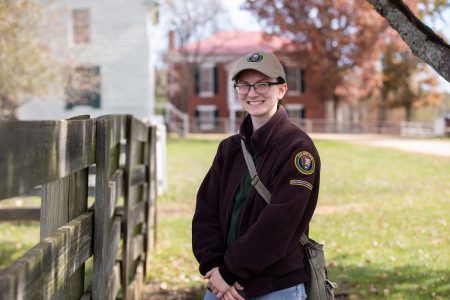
(248, 249)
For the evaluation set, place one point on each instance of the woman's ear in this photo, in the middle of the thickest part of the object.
(282, 90)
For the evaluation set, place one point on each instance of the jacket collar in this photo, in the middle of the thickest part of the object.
(260, 140)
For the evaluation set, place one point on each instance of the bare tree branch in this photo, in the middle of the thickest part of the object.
(423, 42)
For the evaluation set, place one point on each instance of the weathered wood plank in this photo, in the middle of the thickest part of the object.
(107, 160)
(20, 214)
(137, 246)
(54, 206)
(129, 164)
(86, 296)
(51, 149)
(140, 131)
(113, 246)
(137, 215)
(40, 273)
(115, 190)
(78, 198)
(114, 282)
(137, 153)
(134, 290)
(138, 175)
(151, 192)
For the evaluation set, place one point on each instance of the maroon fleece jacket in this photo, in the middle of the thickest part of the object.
(267, 255)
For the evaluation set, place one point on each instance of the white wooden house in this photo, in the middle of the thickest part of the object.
(107, 46)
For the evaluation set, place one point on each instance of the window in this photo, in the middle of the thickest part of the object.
(84, 87)
(295, 80)
(81, 26)
(206, 80)
(295, 111)
(206, 117)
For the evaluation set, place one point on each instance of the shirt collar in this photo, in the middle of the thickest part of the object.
(260, 139)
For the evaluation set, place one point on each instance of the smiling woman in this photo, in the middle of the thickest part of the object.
(241, 242)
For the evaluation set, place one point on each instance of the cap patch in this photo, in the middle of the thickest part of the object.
(255, 57)
(304, 162)
(306, 184)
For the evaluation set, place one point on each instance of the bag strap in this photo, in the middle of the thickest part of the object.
(260, 187)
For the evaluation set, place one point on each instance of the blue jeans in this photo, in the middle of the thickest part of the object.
(296, 292)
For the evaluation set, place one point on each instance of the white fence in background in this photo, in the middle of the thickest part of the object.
(406, 129)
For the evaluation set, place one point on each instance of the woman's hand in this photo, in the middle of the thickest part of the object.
(233, 293)
(216, 284)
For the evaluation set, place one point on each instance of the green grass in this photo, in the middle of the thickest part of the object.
(383, 216)
(17, 237)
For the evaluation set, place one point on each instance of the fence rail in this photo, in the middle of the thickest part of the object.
(56, 155)
(412, 129)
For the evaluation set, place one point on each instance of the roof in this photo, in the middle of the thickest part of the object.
(239, 42)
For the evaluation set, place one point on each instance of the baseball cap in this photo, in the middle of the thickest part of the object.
(264, 62)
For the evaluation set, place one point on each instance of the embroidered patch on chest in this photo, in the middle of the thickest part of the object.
(306, 184)
(304, 162)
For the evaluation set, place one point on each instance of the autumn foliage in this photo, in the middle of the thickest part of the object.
(344, 43)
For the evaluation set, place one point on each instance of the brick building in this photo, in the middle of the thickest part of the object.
(209, 98)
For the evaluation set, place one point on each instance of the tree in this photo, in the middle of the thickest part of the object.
(339, 38)
(423, 42)
(406, 82)
(25, 68)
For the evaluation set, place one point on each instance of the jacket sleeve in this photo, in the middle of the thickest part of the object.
(207, 240)
(280, 224)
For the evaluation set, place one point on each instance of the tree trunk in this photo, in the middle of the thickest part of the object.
(408, 113)
(423, 42)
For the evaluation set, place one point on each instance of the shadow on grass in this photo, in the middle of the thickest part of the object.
(365, 282)
(154, 292)
(403, 282)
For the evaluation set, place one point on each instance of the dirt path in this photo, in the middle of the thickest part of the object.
(427, 146)
(439, 147)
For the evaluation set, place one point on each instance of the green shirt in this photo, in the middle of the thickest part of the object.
(245, 186)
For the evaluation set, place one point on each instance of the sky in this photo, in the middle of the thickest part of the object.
(241, 18)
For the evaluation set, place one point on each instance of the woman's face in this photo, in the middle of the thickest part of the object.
(260, 105)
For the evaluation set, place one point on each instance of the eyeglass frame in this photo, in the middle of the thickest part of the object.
(254, 86)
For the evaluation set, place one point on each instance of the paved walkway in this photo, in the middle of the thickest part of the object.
(427, 146)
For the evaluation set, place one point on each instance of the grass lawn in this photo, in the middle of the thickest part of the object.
(383, 216)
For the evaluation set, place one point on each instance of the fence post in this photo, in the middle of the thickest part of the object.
(63, 200)
(107, 189)
(152, 194)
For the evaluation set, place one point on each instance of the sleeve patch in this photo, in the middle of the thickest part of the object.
(306, 184)
(304, 162)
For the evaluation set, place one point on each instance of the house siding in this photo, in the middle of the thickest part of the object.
(120, 44)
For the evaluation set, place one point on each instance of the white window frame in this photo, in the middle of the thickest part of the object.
(297, 89)
(295, 107)
(209, 111)
(208, 82)
(87, 26)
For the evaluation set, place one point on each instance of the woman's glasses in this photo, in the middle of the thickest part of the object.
(260, 87)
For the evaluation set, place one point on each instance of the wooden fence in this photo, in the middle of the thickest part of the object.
(118, 230)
